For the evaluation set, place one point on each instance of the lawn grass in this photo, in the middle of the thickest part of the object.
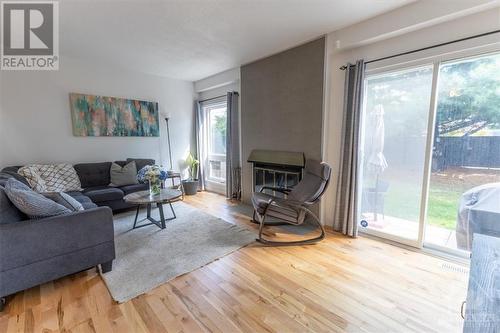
(403, 201)
(443, 207)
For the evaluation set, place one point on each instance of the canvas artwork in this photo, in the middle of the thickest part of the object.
(111, 116)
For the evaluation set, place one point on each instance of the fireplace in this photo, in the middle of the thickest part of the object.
(275, 169)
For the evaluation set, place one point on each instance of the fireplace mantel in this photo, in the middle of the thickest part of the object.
(279, 158)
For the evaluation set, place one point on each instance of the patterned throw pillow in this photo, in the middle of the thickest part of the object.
(31, 203)
(51, 177)
(65, 200)
(33, 177)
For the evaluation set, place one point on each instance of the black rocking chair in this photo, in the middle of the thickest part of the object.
(295, 207)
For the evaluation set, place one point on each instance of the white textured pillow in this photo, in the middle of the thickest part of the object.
(51, 177)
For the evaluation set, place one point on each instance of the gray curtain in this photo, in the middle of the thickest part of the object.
(347, 189)
(201, 145)
(233, 167)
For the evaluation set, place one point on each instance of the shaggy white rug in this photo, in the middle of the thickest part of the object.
(148, 257)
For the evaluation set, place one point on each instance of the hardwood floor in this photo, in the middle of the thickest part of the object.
(338, 285)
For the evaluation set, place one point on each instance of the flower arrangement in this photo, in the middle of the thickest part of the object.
(154, 175)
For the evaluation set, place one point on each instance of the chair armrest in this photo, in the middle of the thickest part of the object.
(25, 242)
(276, 189)
(287, 203)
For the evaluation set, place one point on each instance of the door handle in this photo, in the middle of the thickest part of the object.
(462, 309)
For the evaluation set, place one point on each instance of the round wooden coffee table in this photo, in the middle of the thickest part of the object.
(166, 196)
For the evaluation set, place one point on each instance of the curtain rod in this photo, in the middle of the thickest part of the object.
(428, 47)
(217, 97)
(209, 99)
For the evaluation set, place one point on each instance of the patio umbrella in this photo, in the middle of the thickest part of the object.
(376, 161)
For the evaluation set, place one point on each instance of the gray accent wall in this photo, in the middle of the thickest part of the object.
(282, 105)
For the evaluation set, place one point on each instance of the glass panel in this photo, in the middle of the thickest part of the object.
(292, 180)
(394, 133)
(218, 118)
(280, 182)
(259, 179)
(464, 189)
(216, 139)
(269, 180)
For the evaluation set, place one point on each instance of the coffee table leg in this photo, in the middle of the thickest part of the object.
(172, 208)
(161, 223)
(162, 218)
(136, 216)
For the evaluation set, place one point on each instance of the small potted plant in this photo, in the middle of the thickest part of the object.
(154, 175)
(191, 185)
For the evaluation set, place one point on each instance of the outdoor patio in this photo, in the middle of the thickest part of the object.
(409, 230)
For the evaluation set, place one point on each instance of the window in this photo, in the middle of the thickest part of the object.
(217, 124)
(215, 129)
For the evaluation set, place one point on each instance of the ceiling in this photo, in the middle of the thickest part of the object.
(193, 39)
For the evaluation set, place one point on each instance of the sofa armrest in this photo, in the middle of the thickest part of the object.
(26, 242)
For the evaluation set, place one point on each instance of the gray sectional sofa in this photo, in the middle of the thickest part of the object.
(37, 251)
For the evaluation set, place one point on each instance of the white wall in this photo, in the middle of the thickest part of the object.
(218, 84)
(36, 121)
(472, 24)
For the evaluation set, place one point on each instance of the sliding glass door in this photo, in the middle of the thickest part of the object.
(393, 143)
(464, 188)
(430, 153)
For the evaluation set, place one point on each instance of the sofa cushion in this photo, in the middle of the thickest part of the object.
(141, 162)
(31, 203)
(83, 199)
(51, 177)
(8, 212)
(103, 193)
(123, 175)
(64, 199)
(93, 174)
(127, 189)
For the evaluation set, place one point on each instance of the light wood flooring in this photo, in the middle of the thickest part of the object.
(338, 285)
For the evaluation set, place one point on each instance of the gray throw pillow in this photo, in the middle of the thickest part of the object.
(126, 175)
(31, 203)
(8, 212)
(65, 200)
(141, 162)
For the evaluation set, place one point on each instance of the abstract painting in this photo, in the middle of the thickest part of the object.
(112, 116)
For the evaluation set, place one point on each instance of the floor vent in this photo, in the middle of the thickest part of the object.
(455, 268)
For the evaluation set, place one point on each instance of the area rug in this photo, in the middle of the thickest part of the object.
(148, 257)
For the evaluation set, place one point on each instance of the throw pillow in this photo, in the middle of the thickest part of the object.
(65, 200)
(141, 162)
(31, 174)
(31, 203)
(126, 175)
(51, 177)
(8, 212)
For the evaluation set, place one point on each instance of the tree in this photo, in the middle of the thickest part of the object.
(469, 96)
